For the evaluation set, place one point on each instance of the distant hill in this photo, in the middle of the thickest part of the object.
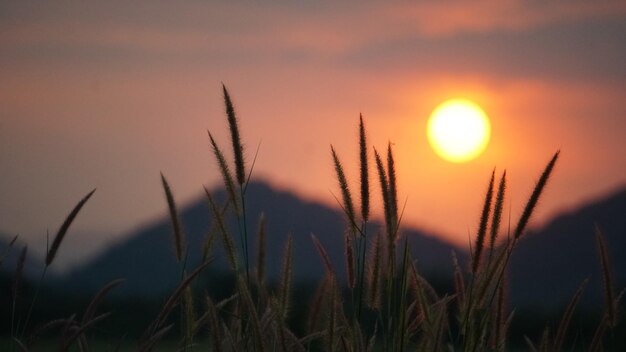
(546, 268)
(146, 258)
(550, 264)
(33, 266)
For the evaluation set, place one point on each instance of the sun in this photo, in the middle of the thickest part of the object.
(458, 130)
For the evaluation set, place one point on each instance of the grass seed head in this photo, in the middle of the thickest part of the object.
(240, 169)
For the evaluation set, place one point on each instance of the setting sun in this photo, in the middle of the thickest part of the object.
(458, 130)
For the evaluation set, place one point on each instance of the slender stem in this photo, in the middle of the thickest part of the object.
(32, 304)
(183, 307)
(468, 307)
(403, 284)
(362, 253)
(355, 293)
(13, 327)
(245, 234)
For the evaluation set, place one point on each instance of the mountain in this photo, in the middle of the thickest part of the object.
(9, 255)
(549, 264)
(146, 259)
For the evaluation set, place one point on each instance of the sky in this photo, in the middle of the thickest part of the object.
(107, 95)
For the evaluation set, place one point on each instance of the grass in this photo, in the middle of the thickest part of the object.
(388, 306)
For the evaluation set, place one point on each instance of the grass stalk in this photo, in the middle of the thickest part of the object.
(243, 228)
(482, 228)
(17, 281)
(8, 249)
(374, 276)
(365, 189)
(53, 249)
(56, 243)
(285, 286)
(389, 223)
(240, 170)
(227, 240)
(534, 197)
(261, 247)
(393, 193)
(179, 238)
(607, 278)
(349, 256)
(497, 213)
(348, 205)
(169, 305)
(567, 317)
(227, 177)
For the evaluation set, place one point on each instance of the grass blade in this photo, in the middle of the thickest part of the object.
(189, 314)
(260, 266)
(384, 187)
(17, 281)
(98, 298)
(393, 193)
(172, 302)
(389, 222)
(148, 345)
(567, 317)
(249, 305)
(240, 170)
(81, 329)
(19, 269)
(598, 336)
(227, 239)
(227, 176)
(316, 304)
(332, 317)
(365, 188)
(56, 243)
(285, 286)
(482, 227)
(374, 273)
(497, 213)
(8, 249)
(207, 244)
(348, 205)
(530, 344)
(607, 278)
(459, 282)
(324, 255)
(534, 197)
(349, 256)
(179, 238)
(214, 326)
(499, 336)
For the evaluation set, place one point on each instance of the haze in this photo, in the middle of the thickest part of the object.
(107, 95)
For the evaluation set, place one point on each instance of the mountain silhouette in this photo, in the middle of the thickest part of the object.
(550, 264)
(33, 264)
(146, 258)
(545, 270)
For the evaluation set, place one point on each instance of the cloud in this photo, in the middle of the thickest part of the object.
(447, 18)
(269, 32)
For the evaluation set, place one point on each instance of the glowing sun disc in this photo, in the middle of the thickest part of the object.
(458, 130)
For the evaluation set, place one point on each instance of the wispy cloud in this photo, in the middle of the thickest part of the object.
(510, 37)
(446, 18)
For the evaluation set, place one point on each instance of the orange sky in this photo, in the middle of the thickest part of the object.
(108, 95)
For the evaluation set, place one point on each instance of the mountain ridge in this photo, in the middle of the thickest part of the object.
(149, 250)
(546, 268)
(551, 262)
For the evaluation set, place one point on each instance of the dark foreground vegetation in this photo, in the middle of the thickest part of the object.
(382, 302)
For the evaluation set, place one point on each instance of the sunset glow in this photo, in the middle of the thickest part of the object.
(111, 94)
(458, 130)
